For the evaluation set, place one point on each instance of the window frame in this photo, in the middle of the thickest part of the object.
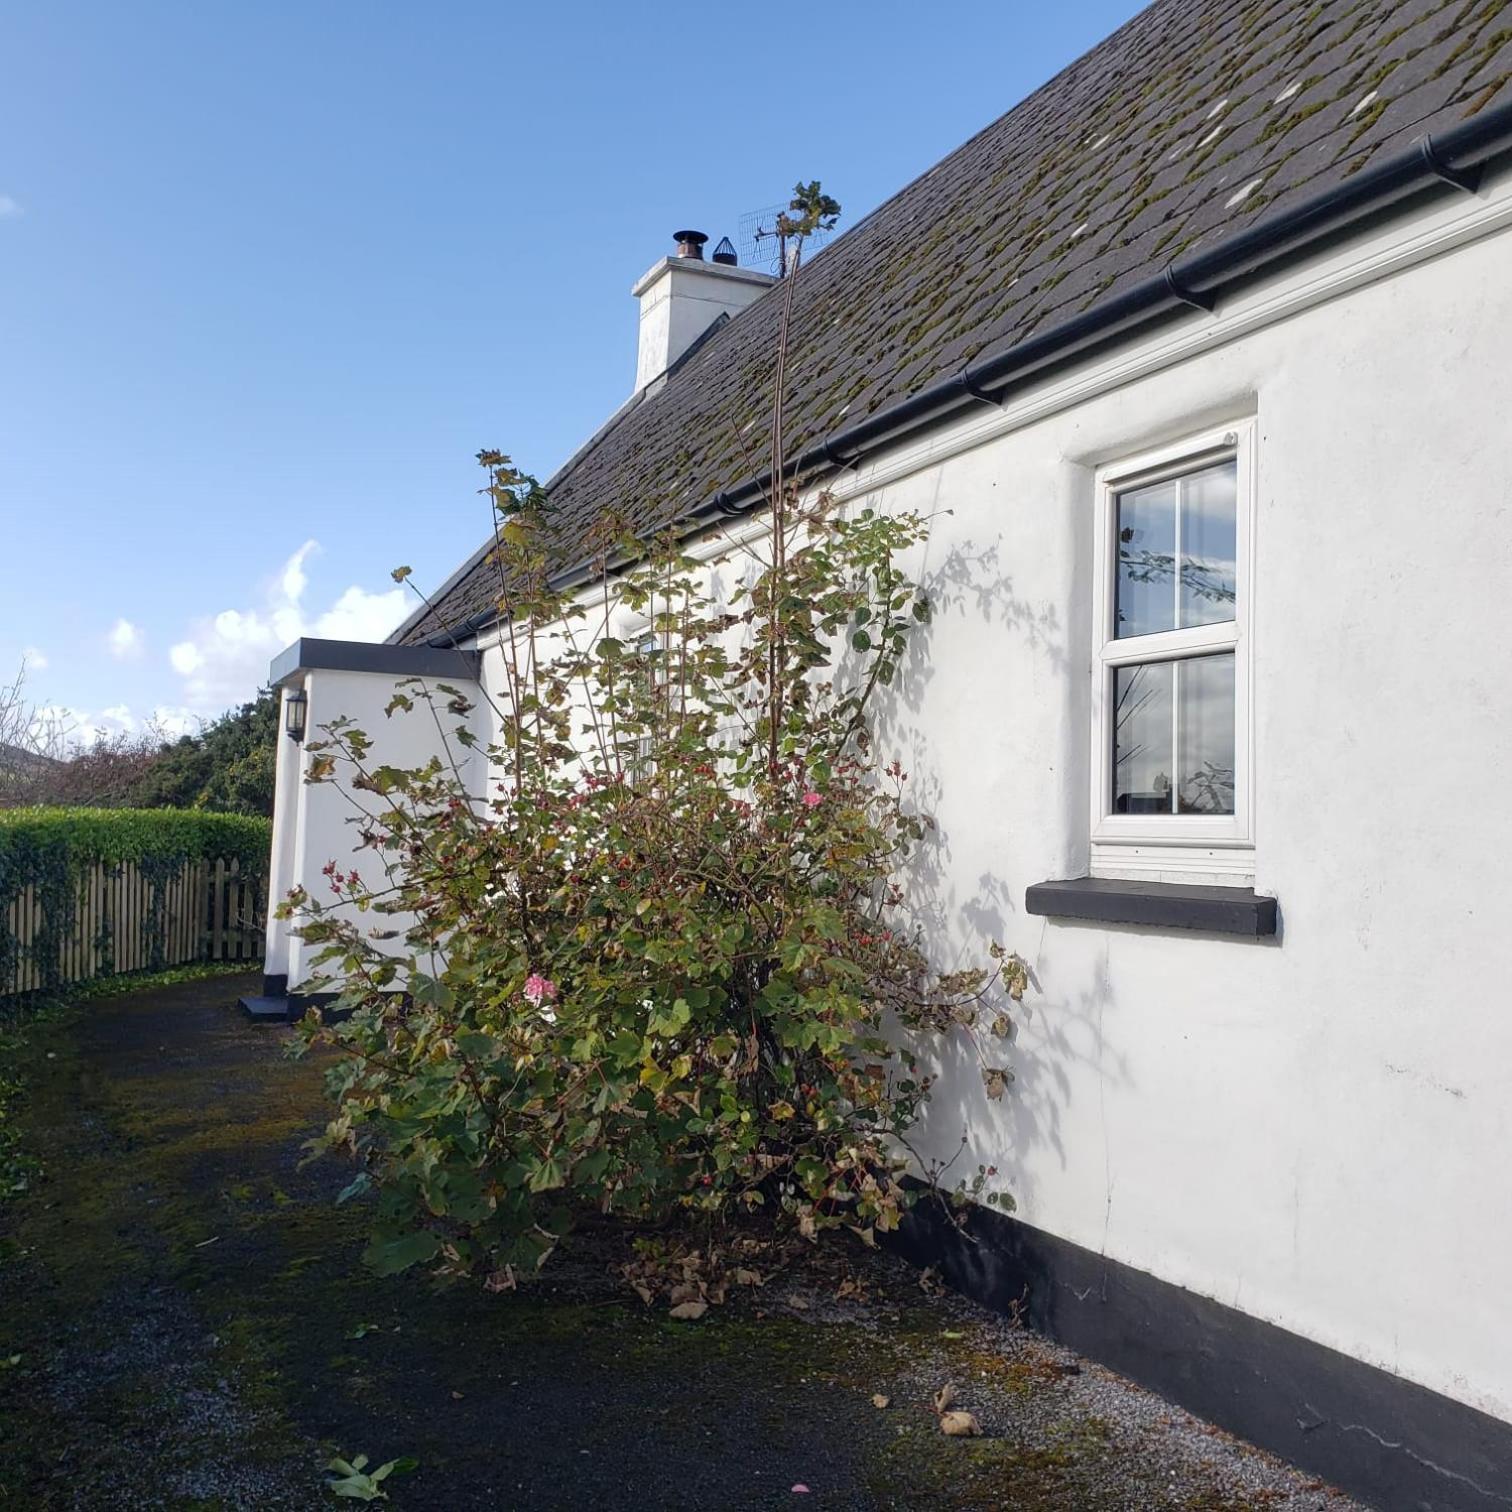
(649, 645)
(1174, 847)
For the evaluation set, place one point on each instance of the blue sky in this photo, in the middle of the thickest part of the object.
(270, 275)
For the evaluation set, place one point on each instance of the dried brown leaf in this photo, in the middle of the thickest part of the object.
(960, 1425)
(688, 1311)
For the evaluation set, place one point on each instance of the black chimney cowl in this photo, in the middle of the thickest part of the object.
(725, 252)
(690, 244)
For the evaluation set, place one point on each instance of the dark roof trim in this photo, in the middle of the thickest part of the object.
(308, 655)
(1454, 157)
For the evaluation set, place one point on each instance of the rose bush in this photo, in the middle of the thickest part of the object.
(664, 964)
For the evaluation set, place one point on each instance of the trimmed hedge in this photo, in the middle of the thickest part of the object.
(35, 840)
(52, 850)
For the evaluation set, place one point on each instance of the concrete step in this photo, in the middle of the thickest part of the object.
(271, 1010)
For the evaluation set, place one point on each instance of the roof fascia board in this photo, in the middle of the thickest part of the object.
(310, 655)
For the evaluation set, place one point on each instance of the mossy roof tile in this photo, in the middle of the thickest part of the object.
(978, 252)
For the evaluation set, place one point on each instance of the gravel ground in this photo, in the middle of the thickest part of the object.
(187, 1326)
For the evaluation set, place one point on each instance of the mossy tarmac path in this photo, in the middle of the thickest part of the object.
(185, 1323)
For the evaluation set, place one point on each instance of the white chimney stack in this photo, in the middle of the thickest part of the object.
(682, 296)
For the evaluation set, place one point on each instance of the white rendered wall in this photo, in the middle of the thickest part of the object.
(1315, 1129)
(287, 770)
(322, 821)
(1310, 1129)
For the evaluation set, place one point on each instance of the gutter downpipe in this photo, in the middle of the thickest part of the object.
(1456, 157)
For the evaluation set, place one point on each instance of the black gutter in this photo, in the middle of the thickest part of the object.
(1455, 157)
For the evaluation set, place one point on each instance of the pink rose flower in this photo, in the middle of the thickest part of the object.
(811, 798)
(539, 989)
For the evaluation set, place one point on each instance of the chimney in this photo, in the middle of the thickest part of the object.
(682, 296)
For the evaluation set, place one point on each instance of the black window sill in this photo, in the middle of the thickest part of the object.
(1214, 910)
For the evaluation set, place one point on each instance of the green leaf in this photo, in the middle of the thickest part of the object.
(406, 1464)
(547, 1176)
(591, 1167)
(625, 1048)
(388, 1257)
(351, 1481)
(356, 1187)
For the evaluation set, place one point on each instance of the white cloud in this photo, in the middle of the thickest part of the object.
(224, 659)
(9, 209)
(175, 722)
(293, 579)
(124, 640)
(35, 658)
(60, 726)
(361, 616)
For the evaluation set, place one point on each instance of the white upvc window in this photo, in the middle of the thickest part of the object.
(1172, 768)
(651, 668)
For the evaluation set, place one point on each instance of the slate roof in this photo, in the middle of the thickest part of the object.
(1196, 119)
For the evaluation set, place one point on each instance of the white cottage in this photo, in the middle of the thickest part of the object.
(1206, 347)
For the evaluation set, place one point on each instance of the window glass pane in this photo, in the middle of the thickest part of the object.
(1205, 734)
(653, 674)
(1142, 763)
(1146, 560)
(1208, 573)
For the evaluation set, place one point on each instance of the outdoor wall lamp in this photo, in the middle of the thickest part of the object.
(295, 705)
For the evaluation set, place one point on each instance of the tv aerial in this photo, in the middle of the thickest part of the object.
(764, 247)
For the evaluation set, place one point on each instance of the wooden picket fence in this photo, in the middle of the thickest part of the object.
(123, 921)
